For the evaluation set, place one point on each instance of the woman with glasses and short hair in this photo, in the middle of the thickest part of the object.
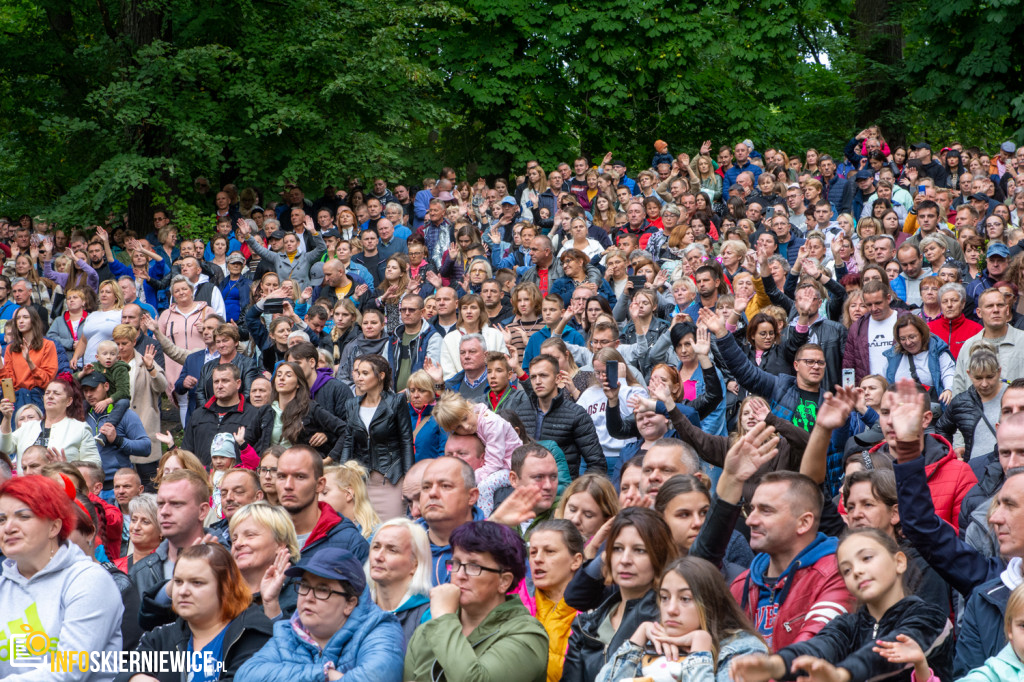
(478, 630)
(336, 631)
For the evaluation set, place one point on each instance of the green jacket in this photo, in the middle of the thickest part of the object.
(510, 645)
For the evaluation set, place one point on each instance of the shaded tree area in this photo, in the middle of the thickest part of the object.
(116, 105)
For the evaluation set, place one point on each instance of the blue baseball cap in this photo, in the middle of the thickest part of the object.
(510, 200)
(332, 563)
(997, 249)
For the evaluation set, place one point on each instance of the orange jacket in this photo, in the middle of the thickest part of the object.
(16, 367)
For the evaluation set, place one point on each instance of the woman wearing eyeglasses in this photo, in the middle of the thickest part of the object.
(336, 631)
(479, 631)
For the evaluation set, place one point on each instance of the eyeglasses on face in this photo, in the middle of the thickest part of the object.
(812, 363)
(408, 310)
(267, 470)
(472, 570)
(321, 592)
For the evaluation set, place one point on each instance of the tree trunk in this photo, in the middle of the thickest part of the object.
(878, 40)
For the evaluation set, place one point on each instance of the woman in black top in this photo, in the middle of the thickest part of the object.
(379, 433)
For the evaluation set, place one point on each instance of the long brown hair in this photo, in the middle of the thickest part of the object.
(14, 337)
(720, 615)
(653, 530)
(297, 407)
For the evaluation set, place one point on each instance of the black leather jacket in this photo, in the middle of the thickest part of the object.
(387, 446)
(586, 653)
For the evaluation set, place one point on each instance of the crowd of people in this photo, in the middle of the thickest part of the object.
(747, 416)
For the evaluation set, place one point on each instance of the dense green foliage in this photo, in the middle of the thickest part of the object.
(114, 106)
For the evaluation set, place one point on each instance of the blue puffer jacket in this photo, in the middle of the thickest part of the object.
(368, 647)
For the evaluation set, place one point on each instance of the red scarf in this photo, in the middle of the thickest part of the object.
(67, 321)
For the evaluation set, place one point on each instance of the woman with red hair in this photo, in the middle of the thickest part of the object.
(60, 596)
(216, 617)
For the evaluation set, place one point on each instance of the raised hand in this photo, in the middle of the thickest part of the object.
(434, 279)
(241, 229)
(906, 407)
(57, 454)
(360, 290)
(835, 409)
(149, 323)
(759, 407)
(749, 453)
(640, 404)
(165, 438)
(240, 436)
(705, 148)
(273, 579)
(306, 294)
(712, 322)
(702, 342)
(517, 507)
(149, 357)
(102, 234)
(433, 370)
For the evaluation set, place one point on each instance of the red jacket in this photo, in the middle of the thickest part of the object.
(110, 535)
(954, 333)
(807, 597)
(949, 478)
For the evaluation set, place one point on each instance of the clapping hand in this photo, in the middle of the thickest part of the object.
(165, 438)
(748, 454)
(273, 579)
(517, 507)
(712, 322)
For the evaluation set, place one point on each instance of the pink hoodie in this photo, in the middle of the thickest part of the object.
(499, 438)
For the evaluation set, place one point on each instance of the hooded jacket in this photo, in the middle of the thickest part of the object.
(809, 593)
(1003, 667)
(508, 645)
(428, 438)
(356, 347)
(427, 344)
(70, 601)
(949, 479)
(368, 647)
(964, 412)
(412, 613)
(329, 393)
(847, 641)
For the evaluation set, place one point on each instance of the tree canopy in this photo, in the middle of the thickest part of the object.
(117, 106)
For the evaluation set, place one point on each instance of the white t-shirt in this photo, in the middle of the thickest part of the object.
(879, 341)
(595, 402)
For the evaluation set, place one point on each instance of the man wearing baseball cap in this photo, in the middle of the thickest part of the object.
(336, 629)
(996, 262)
(922, 151)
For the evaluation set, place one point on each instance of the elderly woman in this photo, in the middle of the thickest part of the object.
(476, 630)
(263, 542)
(917, 355)
(47, 581)
(63, 429)
(953, 327)
(216, 618)
(148, 382)
(143, 531)
(99, 324)
(336, 632)
(182, 322)
(399, 572)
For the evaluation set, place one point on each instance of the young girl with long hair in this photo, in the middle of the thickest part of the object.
(699, 632)
(848, 647)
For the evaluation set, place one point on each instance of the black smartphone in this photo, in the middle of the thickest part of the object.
(638, 282)
(274, 306)
(612, 372)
